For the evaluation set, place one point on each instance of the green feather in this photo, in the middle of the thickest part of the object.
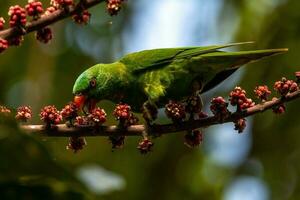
(162, 74)
(155, 58)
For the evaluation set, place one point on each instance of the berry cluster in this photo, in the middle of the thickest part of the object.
(113, 6)
(122, 111)
(34, 8)
(16, 41)
(238, 98)
(124, 115)
(76, 144)
(193, 138)
(145, 146)
(24, 113)
(219, 107)
(175, 111)
(82, 17)
(240, 125)
(50, 115)
(285, 86)
(82, 121)
(117, 141)
(17, 16)
(132, 120)
(97, 116)
(262, 92)
(4, 110)
(280, 109)
(44, 35)
(69, 112)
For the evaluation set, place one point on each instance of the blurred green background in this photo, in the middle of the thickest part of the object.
(262, 163)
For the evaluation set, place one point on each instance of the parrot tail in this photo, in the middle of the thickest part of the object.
(227, 60)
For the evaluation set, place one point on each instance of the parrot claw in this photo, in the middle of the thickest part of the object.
(150, 111)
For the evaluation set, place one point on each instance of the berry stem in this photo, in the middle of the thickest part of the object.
(52, 18)
(62, 130)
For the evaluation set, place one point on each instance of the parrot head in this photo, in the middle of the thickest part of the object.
(89, 88)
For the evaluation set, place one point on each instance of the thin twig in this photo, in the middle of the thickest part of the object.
(137, 130)
(52, 18)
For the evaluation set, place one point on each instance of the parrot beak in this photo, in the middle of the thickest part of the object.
(83, 102)
(79, 101)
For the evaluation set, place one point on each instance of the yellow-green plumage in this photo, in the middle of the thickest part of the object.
(163, 74)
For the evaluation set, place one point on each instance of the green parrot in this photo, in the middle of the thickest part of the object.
(153, 77)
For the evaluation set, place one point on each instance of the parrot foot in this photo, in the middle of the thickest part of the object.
(150, 130)
(194, 105)
(150, 111)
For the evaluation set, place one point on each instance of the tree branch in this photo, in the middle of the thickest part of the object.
(52, 18)
(137, 130)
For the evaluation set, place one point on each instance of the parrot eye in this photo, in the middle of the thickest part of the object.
(93, 83)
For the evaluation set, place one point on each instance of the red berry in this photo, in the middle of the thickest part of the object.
(82, 121)
(219, 107)
(16, 41)
(175, 111)
(236, 95)
(117, 141)
(2, 22)
(50, 115)
(132, 120)
(238, 98)
(76, 144)
(285, 86)
(97, 116)
(34, 8)
(3, 45)
(240, 125)
(49, 10)
(145, 146)
(44, 35)
(122, 111)
(24, 113)
(294, 87)
(69, 111)
(262, 92)
(17, 16)
(4, 110)
(82, 18)
(113, 6)
(280, 109)
(248, 103)
(193, 139)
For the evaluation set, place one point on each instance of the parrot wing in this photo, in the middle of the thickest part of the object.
(208, 61)
(148, 60)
